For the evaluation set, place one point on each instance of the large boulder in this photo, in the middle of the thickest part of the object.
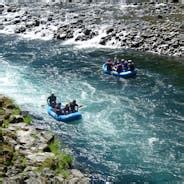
(61, 36)
(109, 30)
(87, 31)
(1, 6)
(76, 173)
(36, 159)
(48, 136)
(58, 179)
(11, 9)
(20, 29)
(16, 21)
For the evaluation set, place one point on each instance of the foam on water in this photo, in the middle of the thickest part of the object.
(46, 32)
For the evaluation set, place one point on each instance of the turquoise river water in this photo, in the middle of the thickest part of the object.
(131, 131)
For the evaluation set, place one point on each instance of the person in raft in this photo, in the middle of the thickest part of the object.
(58, 110)
(62, 111)
(109, 65)
(74, 107)
(51, 100)
(67, 109)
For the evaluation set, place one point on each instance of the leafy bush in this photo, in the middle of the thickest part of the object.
(61, 162)
(27, 119)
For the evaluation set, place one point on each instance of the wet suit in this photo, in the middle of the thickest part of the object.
(51, 100)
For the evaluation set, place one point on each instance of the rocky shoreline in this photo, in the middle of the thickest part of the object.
(29, 154)
(147, 27)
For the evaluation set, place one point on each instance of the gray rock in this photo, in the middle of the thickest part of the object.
(30, 24)
(109, 30)
(76, 173)
(48, 136)
(25, 137)
(58, 179)
(73, 181)
(79, 38)
(20, 29)
(16, 21)
(10, 106)
(62, 36)
(47, 173)
(160, 17)
(38, 158)
(38, 180)
(87, 31)
(11, 9)
(16, 119)
(84, 181)
(1, 6)
(13, 180)
(1, 121)
(30, 168)
(36, 22)
(136, 44)
(103, 41)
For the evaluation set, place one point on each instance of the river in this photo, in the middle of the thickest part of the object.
(131, 130)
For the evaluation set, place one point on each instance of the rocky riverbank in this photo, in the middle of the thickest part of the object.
(31, 155)
(148, 27)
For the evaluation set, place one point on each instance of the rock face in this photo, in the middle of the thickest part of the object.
(148, 27)
(26, 153)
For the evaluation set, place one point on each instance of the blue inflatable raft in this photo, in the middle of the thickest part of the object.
(124, 74)
(65, 118)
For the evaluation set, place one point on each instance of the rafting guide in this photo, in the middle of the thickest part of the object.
(51, 100)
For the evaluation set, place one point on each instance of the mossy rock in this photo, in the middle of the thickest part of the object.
(2, 111)
(1, 132)
(9, 134)
(50, 163)
(19, 160)
(7, 116)
(16, 119)
(1, 159)
(16, 111)
(6, 101)
(8, 152)
(1, 121)
(1, 103)
(10, 106)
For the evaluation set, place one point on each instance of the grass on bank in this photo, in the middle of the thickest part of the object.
(9, 105)
(60, 163)
(27, 119)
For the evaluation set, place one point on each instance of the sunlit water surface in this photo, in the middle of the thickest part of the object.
(131, 131)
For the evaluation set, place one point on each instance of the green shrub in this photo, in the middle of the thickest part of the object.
(2, 111)
(19, 158)
(48, 163)
(65, 173)
(1, 132)
(5, 123)
(16, 111)
(27, 119)
(62, 161)
(54, 146)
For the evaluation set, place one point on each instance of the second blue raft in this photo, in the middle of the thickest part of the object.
(123, 74)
